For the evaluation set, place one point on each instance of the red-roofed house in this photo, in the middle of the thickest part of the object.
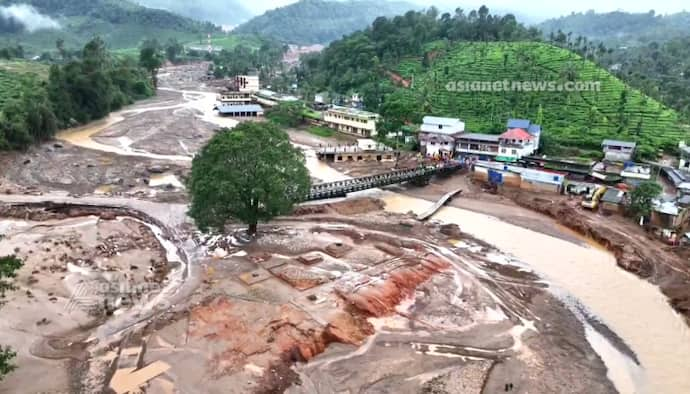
(516, 143)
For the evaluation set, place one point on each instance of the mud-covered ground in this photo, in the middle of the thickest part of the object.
(142, 151)
(77, 272)
(339, 297)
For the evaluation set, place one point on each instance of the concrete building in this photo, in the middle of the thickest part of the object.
(247, 83)
(479, 146)
(235, 98)
(438, 136)
(240, 111)
(515, 144)
(684, 163)
(620, 151)
(352, 121)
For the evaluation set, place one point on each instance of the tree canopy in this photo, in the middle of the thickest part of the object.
(251, 173)
(641, 198)
(8, 267)
(319, 21)
(82, 89)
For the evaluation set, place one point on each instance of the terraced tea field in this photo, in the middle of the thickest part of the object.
(573, 118)
(13, 73)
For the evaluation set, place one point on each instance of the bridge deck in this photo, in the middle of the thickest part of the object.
(342, 188)
(438, 205)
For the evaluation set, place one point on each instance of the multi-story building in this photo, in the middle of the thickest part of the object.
(437, 136)
(480, 146)
(618, 151)
(247, 83)
(521, 139)
(235, 98)
(352, 121)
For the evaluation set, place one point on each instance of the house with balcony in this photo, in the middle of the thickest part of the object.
(522, 138)
(235, 98)
(618, 151)
(438, 136)
(477, 146)
(352, 121)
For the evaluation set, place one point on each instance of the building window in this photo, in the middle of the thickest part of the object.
(503, 150)
(515, 151)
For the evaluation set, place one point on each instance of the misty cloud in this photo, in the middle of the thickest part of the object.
(26, 16)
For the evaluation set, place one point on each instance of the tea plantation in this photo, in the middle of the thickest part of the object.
(579, 119)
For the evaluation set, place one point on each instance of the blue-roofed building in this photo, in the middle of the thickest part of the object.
(240, 111)
(518, 124)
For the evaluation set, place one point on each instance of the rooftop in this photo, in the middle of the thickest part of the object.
(613, 196)
(480, 137)
(449, 126)
(435, 120)
(624, 144)
(228, 108)
(352, 111)
(517, 134)
(519, 124)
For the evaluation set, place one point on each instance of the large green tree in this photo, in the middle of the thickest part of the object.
(642, 197)
(151, 58)
(251, 173)
(8, 267)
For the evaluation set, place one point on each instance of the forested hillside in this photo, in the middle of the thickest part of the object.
(220, 12)
(34, 102)
(320, 21)
(622, 28)
(661, 70)
(120, 23)
(438, 52)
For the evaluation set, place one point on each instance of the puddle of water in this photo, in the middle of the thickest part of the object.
(633, 308)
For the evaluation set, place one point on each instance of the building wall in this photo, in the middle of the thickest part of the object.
(248, 83)
(350, 124)
(430, 148)
(623, 154)
(487, 149)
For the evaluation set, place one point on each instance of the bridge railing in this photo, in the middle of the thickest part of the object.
(342, 188)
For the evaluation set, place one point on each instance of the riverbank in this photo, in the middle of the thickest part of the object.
(559, 216)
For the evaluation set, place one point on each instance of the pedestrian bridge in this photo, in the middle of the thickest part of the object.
(419, 175)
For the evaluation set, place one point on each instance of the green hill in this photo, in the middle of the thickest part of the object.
(15, 74)
(574, 119)
(220, 12)
(622, 28)
(319, 21)
(120, 23)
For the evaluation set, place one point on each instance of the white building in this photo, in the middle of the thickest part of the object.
(247, 83)
(352, 121)
(620, 151)
(235, 98)
(437, 136)
(521, 139)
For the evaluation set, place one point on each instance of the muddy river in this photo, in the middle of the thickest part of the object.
(584, 274)
(634, 309)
